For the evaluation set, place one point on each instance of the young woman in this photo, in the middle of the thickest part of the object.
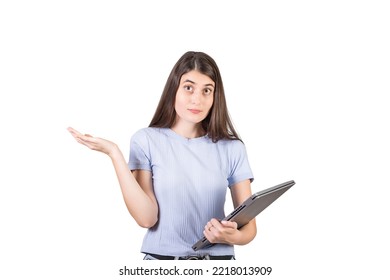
(180, 167)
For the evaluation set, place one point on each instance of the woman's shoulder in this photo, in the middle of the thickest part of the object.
(149, 133)
(232, 143)
(231, 147)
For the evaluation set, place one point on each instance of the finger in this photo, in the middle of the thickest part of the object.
(73, 131)
(213, 231)
(209, 235)
(208, 226)
(87, 138)
(216, 224)
(81, 141)
(87, 143)
(229, 224)
(76, 133)
(81, 138)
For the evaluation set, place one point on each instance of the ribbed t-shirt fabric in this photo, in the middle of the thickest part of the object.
(190, 180)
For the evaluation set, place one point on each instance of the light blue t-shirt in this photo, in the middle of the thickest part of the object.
(190, 180)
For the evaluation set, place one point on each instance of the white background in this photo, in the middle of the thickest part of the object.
(306, 85)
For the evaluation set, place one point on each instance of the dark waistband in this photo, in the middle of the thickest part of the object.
(160, 257)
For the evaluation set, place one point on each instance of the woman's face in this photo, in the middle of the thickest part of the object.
(194, 98)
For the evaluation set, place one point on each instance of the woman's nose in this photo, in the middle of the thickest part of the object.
(195, 97)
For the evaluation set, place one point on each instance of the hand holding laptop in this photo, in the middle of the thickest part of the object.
(215, 230)
(247, 211)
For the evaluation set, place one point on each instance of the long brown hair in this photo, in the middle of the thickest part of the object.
(217, 124)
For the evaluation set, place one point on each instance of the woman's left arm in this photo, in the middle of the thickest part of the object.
(227, 232)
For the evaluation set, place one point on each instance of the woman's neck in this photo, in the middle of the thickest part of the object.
(188, 131)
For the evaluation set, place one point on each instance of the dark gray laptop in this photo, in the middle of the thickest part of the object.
(250, 208)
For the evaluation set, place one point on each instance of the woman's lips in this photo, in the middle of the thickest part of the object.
(194, 111)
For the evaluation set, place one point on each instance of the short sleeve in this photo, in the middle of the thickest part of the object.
(139, 157)
(240, 169)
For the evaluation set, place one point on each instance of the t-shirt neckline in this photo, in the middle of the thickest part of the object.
(183, 139)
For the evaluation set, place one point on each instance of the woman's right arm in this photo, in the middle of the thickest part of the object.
(136, 186)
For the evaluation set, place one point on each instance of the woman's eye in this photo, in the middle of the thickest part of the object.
(188, 88)
(207, 91)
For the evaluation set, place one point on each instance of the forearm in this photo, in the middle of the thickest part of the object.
(141, 207)
(141, 204)
(245, 234)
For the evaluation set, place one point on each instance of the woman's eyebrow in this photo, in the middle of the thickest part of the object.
(192, 82)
